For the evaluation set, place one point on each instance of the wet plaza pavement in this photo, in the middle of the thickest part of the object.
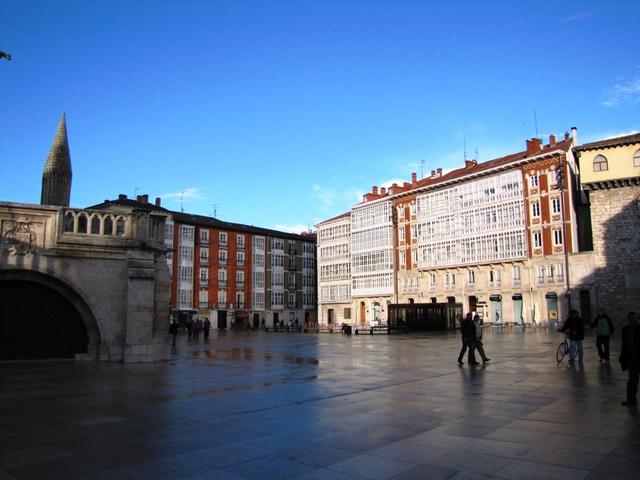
(329, 406)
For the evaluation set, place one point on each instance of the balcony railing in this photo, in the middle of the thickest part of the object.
(204, 260)
(240, 263)
(204, 305)
(517, 282)
(204, 282)
(222, 284)
(240, 284)
(292, 286)
(222, 261)
(222, 305)
(240, 305)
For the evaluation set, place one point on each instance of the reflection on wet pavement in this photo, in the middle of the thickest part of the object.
(264, 405)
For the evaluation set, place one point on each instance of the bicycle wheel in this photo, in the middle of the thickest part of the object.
(562, 351)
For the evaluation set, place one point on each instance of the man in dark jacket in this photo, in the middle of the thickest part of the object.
(468, 331)
(630, 357)
(575, 329)
(604, 330)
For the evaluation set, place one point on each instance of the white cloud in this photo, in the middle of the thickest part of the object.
(299, 228)
(577, 17)
(327, 197)
(388, 183)
(191, 193)
(622, 92)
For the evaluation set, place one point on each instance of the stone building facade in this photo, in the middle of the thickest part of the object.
(610, 173)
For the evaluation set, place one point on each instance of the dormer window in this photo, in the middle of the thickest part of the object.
(600, 163)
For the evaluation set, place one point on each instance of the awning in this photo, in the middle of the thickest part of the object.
(241, 314)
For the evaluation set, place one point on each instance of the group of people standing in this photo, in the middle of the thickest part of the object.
(471, 330)
(193, 327)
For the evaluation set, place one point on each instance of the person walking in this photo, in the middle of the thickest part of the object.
(468, 332)
(604, 331)
(173, 331)
(630, 357)
(573, 324)
(206, 326)
(197, 326)
(478, 340)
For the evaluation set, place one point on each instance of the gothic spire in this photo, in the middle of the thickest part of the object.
(56, 177)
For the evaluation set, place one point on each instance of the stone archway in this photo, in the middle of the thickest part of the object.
(42, 317)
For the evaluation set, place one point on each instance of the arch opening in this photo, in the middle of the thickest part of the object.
(39, 321)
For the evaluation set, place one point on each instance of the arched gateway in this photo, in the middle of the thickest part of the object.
(93, 294)
(40, 317)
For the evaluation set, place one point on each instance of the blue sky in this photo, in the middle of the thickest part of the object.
(281, 114)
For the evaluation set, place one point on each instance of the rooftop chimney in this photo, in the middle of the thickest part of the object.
(566, 135)
(158, 201)
(439, 172)
(374, 190)
(383, 191)
(574, 134)
(552, 140)
(122, 196)
(533, 146)
(469, 163)
(138, 198)
(414, 178)
(144, 199)
(433, 173)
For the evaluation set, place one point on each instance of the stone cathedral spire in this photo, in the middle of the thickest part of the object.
(56, 177)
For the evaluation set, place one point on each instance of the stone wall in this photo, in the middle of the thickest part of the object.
(615, 217)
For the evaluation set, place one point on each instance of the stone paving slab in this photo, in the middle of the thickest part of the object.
(255, 405)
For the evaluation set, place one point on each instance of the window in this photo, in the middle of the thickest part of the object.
(240, 241)
(560, 272)
(413, 209)
(347, 314)
(471, 278)
(540, 274)
(555, 205)
(204, 299)
(240, 279)
(292, 300)
(600, 163)
(222, 257)
(533, 181)
(557, 237)
(204, 276)
(403, 259)
(401, 213)
(414, 256)
(69, 223)
(515, 274)
(537, 239)
(494, 278)
(204, 256)
(636, 159)
(535, 209)
(401, 232)
(550, 273)
(432, 281)
(239, 299)
(223, 238)
(222, 278)
(204, 236)
(222, 299)
(240, 259)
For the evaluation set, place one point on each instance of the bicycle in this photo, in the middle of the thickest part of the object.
(563, 349)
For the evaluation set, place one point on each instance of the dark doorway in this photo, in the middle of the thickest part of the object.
(222, 319)
(330, 316)
(362, 313)
(38, 322)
